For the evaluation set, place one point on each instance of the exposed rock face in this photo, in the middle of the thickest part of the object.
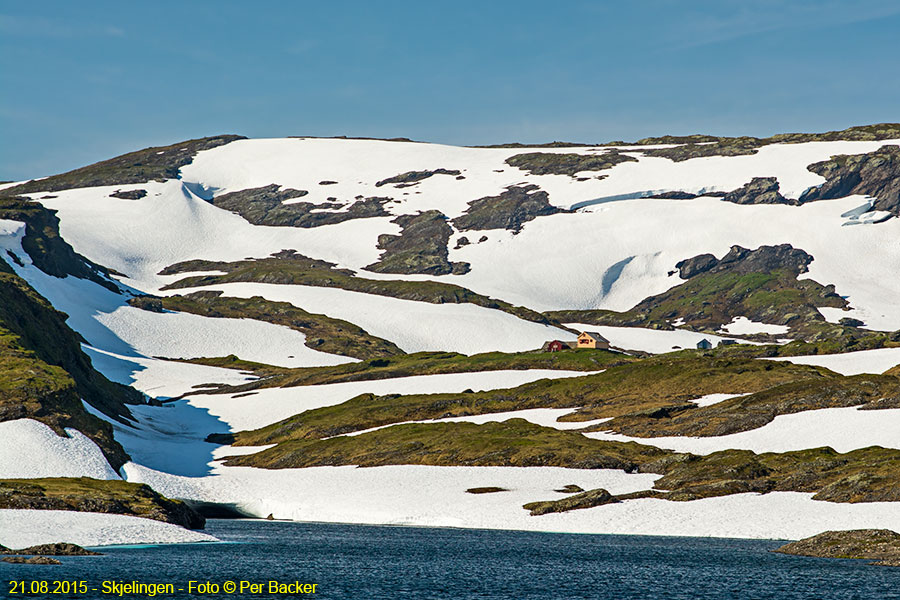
(411, 177)
(34, 560)
(421, 247)
(129, 194)
(46, 247)
(55, 549)
(546, 163)
(882, 545)
(510, 210)
(875, 174)
(149, 164)
(265, 206)
(760, 190)
(764, 259)
(587, 499)
(82, 494)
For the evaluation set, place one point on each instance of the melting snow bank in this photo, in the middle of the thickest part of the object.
(744, 326)
(22, 528)
(844, 429)
(851, 363)
(30, 449)
(436, 497)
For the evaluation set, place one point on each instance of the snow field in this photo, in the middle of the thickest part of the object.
(29, 449)
(413, 326)
(23, 528)
(851, 363)
(744, 326)
(843, 429)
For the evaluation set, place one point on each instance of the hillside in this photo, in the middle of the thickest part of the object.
(243, 323)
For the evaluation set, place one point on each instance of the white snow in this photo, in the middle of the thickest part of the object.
(413, 326)
(655, 341)
(23, 528)
(545, 417)
(844, 429)
(744, 326)
(31, 449)
(436, 496)
(184, 335)
(851, 363)
(710, 399)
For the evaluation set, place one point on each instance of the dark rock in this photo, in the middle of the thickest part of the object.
(483, 238)
(421, 247)
(226, 439)
(510, 210)
(570, 489)
(327, 182)
(148, 303)
(129, 194)
(764, 259)
(149, 164)
(55, 549)
(874, 544)
(760, 190)
(463, 241)
(689, 267)
(486, 490)
(34, 560)
(410, 177)
(875, 174)
(545, 163)
(676, 195)
(265, 206)
(850, 322)
(587, 499)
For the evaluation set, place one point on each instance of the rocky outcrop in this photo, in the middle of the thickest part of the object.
(875, 174)
(510, 210)
(129, 194)
(588, 499)
(764, 259)
(421, 247)
(45, 246)
(54, 549)
(880, 545)
(546, 163)
(411, 177)
(265, 206)
(83, 494)
(760, 190)
(150, 164)
(34, 560)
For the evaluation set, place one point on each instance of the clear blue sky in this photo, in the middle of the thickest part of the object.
(83, 81)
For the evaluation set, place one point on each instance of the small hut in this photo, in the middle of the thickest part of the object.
(592, 339)
(704, 344)
(554, 346)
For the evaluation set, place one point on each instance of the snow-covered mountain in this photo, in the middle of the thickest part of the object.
(237, 283)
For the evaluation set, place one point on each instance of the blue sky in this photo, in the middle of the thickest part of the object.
(84, 81)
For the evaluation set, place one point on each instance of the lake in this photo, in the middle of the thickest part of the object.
(370, 562)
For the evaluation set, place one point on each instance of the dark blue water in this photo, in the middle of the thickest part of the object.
(362, 562)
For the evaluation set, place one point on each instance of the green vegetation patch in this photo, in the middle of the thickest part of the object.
(760, 284)
(513, 443)
(150, 164)
(323, 333)
(83, 494)
(409, 365)
(289, 268)
(658, 384)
